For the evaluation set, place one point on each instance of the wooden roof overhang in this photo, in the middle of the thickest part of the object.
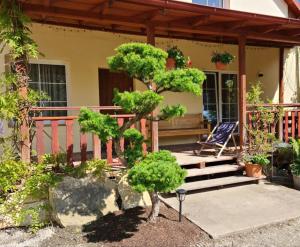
(169, 18)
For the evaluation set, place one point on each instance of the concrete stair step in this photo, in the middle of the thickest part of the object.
(217, 182)
(195, 172)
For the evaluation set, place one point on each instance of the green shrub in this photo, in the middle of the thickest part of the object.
(158, 172)
(11, 175)
(295, 167)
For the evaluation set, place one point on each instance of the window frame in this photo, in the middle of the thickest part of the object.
(67, 73)
(222, 4)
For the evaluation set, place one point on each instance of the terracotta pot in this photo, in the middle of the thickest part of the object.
(296, 180)
(171, 63)
(220, 66)
(253, 170)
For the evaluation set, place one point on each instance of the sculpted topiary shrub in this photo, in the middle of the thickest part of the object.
(158, 172)
(147, 64)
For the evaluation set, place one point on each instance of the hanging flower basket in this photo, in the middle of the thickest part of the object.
(171, 63)
(220, 66)
(221, 60)
(176, 59)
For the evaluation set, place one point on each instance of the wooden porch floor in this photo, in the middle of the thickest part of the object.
(185, 155)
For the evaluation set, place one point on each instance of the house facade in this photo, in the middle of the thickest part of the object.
(73, 68)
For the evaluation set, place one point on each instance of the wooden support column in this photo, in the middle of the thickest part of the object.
(242, 90)
(281, 90)
(281, 68)
(154, 124)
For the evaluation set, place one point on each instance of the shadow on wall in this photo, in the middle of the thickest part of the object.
(292, 81)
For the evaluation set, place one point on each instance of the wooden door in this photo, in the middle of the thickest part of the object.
(108, 81)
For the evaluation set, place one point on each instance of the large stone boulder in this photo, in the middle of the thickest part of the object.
(76, 202)
(130, 198)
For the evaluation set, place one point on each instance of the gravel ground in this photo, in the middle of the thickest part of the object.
(169, 234)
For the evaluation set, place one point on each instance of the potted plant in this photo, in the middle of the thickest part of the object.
(221, 59)
(176, 58)
(295, 167)
(254, 165)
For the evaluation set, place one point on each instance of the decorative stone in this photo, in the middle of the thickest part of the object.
(76, 202)
(130, 198)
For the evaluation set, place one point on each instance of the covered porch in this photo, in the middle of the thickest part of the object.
(154, 21)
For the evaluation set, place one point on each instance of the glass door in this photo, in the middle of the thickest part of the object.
(210, 96)
(228, 100)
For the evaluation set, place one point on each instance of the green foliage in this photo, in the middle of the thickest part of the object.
(136, 102)
(140, 61)
(147, 64)
(175, 53)
(95, 168)
(262, 118)
(158, 172)
(33, 183)
(168, 112)
(11, 174)
(14, 31)
(180, 80)
(225, 57)
(102, 125)
(295, 167)
(259, 159)
(133, 151)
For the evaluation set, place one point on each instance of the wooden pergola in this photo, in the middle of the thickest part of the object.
(174, 19)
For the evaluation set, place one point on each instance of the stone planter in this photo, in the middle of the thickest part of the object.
(296, 180)
(76, 202)
(130, 198)
(253, 170)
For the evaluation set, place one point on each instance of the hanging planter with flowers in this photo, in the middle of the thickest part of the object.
(176, 59)
(221, 60)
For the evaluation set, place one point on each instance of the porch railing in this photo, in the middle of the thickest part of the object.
(288, 124)
(49, 131)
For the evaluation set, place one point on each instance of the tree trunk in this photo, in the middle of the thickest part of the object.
(22, 73)
(155, 207)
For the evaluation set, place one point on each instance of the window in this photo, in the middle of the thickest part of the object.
(212, 3)
(220, 97)
(210, 95)
(50, 79)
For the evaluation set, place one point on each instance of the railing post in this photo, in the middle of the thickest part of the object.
(69, 140)
(40, 145)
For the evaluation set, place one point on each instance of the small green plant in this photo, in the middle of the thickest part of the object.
(180, 60)
(225, 57)
(295, 167)
(157, 172)
(258, 159)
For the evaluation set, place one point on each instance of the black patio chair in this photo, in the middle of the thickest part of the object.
(220, 137)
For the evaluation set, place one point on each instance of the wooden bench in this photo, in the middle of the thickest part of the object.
(189, 125)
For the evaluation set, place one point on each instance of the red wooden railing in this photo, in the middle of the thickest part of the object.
(288, 125)
(67, 122)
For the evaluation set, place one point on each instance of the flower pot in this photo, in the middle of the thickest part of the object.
(171, 63)
(253, 170)
(220, 66)
(296, 180)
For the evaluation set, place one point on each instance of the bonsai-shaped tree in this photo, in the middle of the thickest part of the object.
(158, 172)
(148, 65)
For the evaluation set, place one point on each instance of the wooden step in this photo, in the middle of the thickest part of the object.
(187, 159)
(213, 170)
(212, 183)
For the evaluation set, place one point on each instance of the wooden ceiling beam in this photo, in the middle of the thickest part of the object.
(90, 17)
(149, 14)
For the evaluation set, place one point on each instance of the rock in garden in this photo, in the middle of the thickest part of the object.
(76, 202)
(130, 198)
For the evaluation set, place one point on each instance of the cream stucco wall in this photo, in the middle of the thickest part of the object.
(267, 7)
(83, 52)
